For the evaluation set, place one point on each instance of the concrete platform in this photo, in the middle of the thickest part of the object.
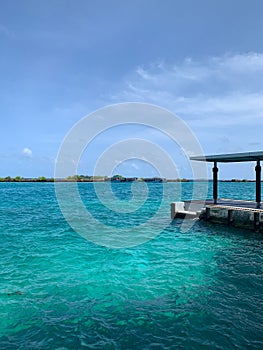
(237, 213)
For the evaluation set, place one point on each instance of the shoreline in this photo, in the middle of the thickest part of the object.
(152, 180)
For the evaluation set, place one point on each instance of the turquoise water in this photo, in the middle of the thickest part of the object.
(200, 289)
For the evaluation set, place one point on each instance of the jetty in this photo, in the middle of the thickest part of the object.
(237, 213)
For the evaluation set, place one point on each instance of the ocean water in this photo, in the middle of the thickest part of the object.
(200, 289)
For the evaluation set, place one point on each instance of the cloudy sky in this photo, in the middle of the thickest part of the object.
(62, 59)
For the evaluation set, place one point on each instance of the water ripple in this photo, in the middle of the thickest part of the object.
(197, 290)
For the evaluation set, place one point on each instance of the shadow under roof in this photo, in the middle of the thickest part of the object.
(231, 157)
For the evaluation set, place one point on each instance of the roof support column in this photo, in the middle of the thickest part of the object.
(258, 184)
(215, 181)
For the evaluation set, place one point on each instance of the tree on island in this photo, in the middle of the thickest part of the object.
(117, 177)
(18, 179)
(76, 178)
(41, 179)
(8, 178)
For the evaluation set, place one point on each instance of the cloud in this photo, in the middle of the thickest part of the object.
(225, 90)
(135, 166)
(255, 143)
(27, 152)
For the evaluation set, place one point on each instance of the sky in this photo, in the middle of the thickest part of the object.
(63, 59)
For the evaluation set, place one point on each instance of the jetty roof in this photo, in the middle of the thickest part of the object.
(231, 157)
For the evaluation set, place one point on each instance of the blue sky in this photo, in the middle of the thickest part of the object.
(62, 59)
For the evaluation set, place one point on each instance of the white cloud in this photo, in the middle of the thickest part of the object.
(27, 152)
(223, 90)
(241, 63)
(135, 166)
